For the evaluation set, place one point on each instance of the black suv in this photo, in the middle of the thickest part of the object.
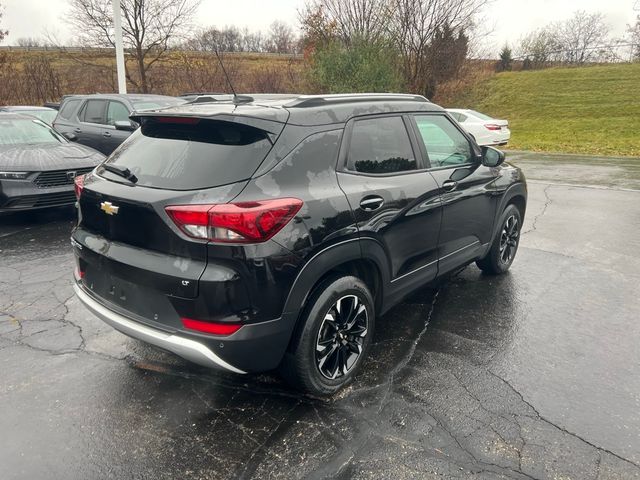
(102, 121)
(267, 232)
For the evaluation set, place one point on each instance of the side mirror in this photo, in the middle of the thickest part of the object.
(125, 125)
(492, 157)
(72, 137)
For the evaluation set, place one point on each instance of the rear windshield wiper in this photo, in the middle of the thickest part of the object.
(123, 172)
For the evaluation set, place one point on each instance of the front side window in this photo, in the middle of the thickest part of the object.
(445, 145)
(117, 112)
(380, 146)
(93, 111)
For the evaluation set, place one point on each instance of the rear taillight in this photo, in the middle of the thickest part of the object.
(78, 185)
(214, 328)
(492, 127)
(244, 222)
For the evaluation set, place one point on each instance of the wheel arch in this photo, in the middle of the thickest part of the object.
(363, 258)
(516, 195)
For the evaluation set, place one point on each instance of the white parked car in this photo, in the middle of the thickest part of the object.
(484, 129)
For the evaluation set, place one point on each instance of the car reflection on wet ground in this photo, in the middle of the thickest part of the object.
(533, 374)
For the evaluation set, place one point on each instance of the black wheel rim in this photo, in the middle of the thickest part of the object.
(341, 337)
(509, 238)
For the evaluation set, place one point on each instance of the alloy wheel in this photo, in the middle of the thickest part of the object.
(509, 239)
(341, 337)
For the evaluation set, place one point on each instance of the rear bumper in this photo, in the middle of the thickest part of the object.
(189, 349)
(256, 347)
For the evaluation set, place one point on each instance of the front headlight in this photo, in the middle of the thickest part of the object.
(13, 175)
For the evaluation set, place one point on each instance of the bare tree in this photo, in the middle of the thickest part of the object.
(281, 38)
(148, 27)
(417, 27)
(634, 38)
(253, 41)
(539, 48)
(347, 19)
(3, 33)
(30, 42)
(226, 39)
(579, 37)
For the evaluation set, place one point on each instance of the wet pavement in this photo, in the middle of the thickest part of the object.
(533, 374)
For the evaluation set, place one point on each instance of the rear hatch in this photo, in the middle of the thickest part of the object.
(130, 252)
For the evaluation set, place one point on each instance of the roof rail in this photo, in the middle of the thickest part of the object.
(320, 100)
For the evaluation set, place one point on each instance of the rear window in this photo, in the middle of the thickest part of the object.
(481, 116)
(191, 156)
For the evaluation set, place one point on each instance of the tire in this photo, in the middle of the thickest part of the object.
(344, 338)
(505, 245)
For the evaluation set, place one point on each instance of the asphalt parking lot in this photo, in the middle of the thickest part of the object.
(530, 375)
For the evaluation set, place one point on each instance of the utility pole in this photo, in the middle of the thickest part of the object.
(117, 26)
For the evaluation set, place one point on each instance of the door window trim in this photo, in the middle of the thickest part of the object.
(423, 148)
(343, 155)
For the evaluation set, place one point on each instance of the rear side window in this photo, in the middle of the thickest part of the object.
(93, 111)
(192, 155)
(68, 108)
(380, 146)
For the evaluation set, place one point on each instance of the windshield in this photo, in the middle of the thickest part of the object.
(481, 116)
(157, 103)
(25, 131)
(47, 116)
(190, 154)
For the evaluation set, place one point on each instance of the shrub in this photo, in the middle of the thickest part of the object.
(361, 66)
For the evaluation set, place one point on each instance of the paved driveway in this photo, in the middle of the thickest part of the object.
(533, 374)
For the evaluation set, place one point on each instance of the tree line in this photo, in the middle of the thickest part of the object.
(584, 38)
(347, 45)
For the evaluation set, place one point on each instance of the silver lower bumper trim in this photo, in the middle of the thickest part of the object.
(184, 347)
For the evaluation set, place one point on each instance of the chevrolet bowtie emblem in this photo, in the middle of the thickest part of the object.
(109, 208)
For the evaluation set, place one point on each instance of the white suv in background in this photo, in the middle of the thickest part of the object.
(484, 129)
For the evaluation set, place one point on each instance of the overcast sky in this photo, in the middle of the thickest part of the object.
(508, 19)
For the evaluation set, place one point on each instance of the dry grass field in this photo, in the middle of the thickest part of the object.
(33, 77)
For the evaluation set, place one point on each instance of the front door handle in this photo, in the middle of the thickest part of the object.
(77, 130)
(372, 202)
(106, 134)
(449, 185)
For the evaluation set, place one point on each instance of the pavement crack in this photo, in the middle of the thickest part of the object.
(560, 428)
(547, 202)
(409, 356)
(253, 462)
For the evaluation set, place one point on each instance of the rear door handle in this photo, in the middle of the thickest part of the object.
(77, 130)
(449, 185)
(106, 134)
(372, 202)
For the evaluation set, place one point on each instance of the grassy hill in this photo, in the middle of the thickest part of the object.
(589, 110)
